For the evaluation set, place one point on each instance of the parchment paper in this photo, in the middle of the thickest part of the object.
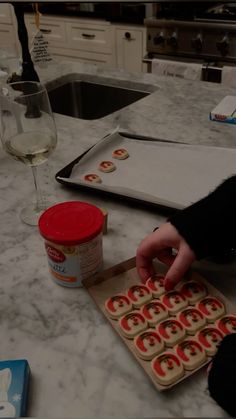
(170, 174)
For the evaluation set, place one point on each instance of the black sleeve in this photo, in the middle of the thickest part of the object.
(209, 225)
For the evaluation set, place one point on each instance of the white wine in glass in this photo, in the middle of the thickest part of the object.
(28, 132)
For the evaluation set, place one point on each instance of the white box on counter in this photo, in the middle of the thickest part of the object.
(225, 111)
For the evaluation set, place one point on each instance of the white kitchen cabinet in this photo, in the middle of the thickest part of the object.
(8, 33)
(130, 48)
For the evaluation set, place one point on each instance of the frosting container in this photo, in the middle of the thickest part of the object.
(73, 241)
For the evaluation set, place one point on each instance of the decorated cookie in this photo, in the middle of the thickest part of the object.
(107, 166)
(120, 154)
(191, 354)
(212, 308)
(156, 285)
(193, 291)
(167, 368)
(139, 295)
(171, 331)
(93, 178)
(148, 344)
(132, 323)
(154, 312)
(174, 301)
(227, 324)
(209, 338)
(117, 306)
(192, 320)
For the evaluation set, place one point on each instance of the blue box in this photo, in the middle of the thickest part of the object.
(14, 381)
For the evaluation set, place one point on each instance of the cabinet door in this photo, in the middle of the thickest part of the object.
(129, 45)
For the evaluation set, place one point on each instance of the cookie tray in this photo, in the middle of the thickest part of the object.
(118, 279)
(157, 172)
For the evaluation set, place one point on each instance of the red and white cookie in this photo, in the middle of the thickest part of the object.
(209, 338)
(167, 368)
(107, 166)
(117, 306)
(191, 354)
(174, 301)
(171, 331)
(192, 320)
(120, 154)
(227, 324)
(139, 295)
(154, 312)
(193, 291)
(148, 344)
(212, 308)
(132, 324)
(156, 285)
(93, 178)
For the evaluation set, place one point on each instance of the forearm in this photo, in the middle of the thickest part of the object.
(209, 225)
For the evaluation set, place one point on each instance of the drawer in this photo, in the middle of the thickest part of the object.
(53, 30)
(7, 35)
(84, 56)
(88, 37)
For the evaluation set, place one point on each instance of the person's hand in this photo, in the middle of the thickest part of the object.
(159, 244)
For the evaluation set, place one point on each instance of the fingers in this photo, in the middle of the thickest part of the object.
(181, 264)
(146, 252)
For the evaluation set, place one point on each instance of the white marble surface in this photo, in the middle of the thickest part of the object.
(80, 368)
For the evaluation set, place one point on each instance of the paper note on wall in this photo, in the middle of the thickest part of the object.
(188, 71)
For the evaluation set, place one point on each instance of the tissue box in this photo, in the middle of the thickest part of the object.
(14, 379)
(225, 111)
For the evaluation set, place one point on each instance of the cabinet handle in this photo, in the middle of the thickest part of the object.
(88, 35)
(45, 30)
(128, 36)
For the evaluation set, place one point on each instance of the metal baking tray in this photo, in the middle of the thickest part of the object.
(157, 172)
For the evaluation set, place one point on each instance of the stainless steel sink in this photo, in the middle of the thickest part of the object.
(81, 97)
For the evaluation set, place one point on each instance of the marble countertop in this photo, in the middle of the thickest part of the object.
(80, 368)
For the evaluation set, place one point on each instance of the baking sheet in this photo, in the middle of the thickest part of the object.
(118, 279)
(159, 172)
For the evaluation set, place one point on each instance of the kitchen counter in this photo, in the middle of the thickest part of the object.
(80, 368)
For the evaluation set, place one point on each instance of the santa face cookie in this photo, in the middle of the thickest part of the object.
(107, 166)
(132, 323)
(209, 338)
(92, 178)
(171, 331)
(174, 301)
(227, 324)
(211, 308)
(154, 312)
(167, 368)
(120, 154)
(192, 320)
(117, 306)
(156, 285)
(148, 344)
(191, 354)
(193, 291)
(139, 295)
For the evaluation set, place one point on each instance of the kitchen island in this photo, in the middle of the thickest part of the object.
(80, 367)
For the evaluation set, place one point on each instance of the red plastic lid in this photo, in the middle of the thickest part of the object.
(71, 223)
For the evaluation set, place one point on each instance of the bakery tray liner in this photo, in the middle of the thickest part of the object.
(117, 279)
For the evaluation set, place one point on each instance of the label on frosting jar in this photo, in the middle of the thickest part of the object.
(69, 265)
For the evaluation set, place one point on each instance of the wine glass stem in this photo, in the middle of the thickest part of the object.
(39, 198)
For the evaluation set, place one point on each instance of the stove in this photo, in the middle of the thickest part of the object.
(200, 35)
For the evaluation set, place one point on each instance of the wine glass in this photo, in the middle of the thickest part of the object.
(28, 133)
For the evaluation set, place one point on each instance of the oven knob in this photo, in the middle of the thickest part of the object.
(159, 39)
(173, 40)
(223, 45)
(197, 43)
